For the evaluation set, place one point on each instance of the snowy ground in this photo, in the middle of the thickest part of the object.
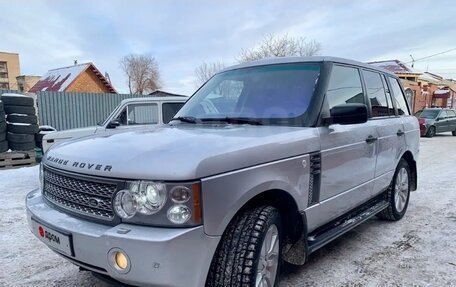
(419, 250)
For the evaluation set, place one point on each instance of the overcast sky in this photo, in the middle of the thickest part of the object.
(183, 34)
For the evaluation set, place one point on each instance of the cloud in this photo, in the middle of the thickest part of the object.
(183, 34)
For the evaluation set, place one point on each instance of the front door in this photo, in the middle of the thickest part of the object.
(348, 152)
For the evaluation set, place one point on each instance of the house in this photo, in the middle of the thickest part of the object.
(422, 89)
(9, 70)
(83, 78)
(25, 83)
(159, 93)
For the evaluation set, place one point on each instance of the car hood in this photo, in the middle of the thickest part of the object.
(182, 152)
(71, 133)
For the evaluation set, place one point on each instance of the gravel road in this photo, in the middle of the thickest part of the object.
(419, 250)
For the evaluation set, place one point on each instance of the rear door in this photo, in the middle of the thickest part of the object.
(389, 128)
(451, 120)
(348, 152)
(441, 122)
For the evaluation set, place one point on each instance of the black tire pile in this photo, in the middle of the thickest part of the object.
(21, 122)
(3, 142)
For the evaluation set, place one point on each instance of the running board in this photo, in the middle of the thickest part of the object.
(323, 236)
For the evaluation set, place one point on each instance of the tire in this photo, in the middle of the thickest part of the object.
(23, 128)
(237, 259)
(25, 119)
(431, 132)
(2, 126)
(2, 116)
(1, 106)
(20, 138)
(394, 212)
(17, 100)
(453, 133)
(22, 146)
(3, 146)
(24, 110)
(2, 136)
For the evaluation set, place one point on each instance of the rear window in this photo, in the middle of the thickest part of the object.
(429, 114)
(170, 110)
(398, 97)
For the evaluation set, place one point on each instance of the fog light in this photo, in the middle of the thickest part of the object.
(121, 260)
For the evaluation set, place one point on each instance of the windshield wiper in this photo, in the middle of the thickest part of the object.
(190, 120)
(234, 120)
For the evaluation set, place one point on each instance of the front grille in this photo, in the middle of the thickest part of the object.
(80, 195)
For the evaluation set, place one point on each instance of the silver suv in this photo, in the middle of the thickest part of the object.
(267, 162)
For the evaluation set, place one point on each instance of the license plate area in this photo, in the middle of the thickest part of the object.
(57, 240)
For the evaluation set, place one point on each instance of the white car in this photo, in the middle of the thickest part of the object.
(135, 112)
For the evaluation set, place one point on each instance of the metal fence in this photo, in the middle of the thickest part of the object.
(75, 110)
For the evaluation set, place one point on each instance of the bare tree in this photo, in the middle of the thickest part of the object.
(142, 73)
(280, 46)
(206, 70)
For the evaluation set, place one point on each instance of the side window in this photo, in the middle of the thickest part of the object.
(398, 97)
(141, 114)
(169, 110)
(376, 93)
(344, 87)
(451, 114)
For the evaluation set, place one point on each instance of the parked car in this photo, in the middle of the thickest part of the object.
(436, 120)
(268, 161)
(135, 112)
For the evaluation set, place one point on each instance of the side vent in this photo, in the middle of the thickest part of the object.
(315, 178)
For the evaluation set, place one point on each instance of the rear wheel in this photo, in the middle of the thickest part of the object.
(453, 133)
(431, 132)
(249, 253)
(398, 193)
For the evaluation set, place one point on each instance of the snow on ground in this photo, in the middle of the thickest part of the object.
(419, 250)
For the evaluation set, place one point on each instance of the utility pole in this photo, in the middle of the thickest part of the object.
(413, 61)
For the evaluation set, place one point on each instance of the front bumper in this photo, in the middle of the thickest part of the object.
(158, 256)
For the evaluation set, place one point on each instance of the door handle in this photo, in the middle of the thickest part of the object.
(371, 139)
(400, 133)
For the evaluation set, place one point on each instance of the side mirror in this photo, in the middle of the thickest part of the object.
(113, 124)
(348, 114)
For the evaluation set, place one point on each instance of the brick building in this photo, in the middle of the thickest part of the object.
(423, 89)
(84, 78)
(9, 70)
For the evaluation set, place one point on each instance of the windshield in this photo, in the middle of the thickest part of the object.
(273, 94)
(429, 114)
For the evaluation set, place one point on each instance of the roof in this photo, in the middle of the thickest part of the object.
(431, 78)
(396, 67)
(286, 60)
(159, 93)
(58, 80)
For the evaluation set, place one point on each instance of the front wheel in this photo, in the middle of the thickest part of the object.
(453, 133)
(249, 253)
(398, 193)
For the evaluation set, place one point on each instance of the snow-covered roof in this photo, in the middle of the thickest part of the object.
(441, 92)
(396, 67)
(431, 78)
(58, 80)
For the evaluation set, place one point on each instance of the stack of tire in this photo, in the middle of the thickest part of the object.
(21, 121)
(3, 142)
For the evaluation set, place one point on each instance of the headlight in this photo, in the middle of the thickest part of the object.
(145, 202)
(124, 204)
(143, 197)
(179, 214)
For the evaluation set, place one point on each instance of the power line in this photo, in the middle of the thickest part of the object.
(430, 56)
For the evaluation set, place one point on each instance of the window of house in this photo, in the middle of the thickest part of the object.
(4, 75)
(344, 87)
(399, 97)
(4, 86)
(376, 93)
